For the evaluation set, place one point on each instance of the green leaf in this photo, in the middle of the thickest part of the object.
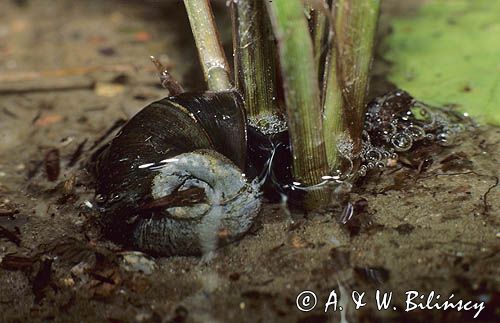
(449, 53)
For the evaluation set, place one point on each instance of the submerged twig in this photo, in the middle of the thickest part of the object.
(485, 196)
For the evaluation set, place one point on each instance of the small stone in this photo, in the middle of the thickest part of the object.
(392, 162)
(138, 262)
(80, 268)
(68, 282)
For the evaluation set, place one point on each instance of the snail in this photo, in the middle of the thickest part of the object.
(171, 182)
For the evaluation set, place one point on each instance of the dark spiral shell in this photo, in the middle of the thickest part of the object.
(171, 181)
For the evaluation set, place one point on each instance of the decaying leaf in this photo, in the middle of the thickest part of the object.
(448, 54)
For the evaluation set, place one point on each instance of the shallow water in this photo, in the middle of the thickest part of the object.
(420, 225)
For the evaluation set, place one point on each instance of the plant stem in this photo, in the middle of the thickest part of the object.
(255, 58)
(332, 107)
(318, 35)
(348, 61)
(320, 19)
(212, 57)
(302, 94)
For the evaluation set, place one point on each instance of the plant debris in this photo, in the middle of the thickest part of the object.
(10, 235)
(42, 279)
(52, 164)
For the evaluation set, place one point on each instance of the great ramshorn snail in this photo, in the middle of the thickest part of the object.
(172, 181)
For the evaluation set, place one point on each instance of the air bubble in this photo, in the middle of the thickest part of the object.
(362, 171)
(415, 132)
(443, 137)
(395, 125)
(401, 142)
(373, 155)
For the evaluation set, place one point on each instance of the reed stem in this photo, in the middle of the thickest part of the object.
(348, 67)
(319, 21)
(255, 58)
(302, 94)
(212, 57)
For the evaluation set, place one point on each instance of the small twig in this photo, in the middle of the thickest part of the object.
(485, 195)
(166, 79)
(13, 262)
(11, 236)
(64, 72)
(446, 174)
(59, 86)
(6, 210)
(486, 206)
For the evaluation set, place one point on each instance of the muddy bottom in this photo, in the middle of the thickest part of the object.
(419, 226)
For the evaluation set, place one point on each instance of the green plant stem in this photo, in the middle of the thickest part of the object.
(319, 21)
(255, 58)
(212, 57)
(319, 35)
(302, 93)
(349, 60)
(333, 102)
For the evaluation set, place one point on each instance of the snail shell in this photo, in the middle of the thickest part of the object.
(171, 181)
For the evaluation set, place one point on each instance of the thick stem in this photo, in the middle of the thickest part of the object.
(302, 94)
(349, 61)
(212, 57)
(255, 58)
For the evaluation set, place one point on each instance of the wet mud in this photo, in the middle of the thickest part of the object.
(70, 72)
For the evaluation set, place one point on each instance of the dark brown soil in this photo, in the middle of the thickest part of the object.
(418, 229)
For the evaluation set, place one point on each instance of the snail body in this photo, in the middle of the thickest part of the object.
(171, 182)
